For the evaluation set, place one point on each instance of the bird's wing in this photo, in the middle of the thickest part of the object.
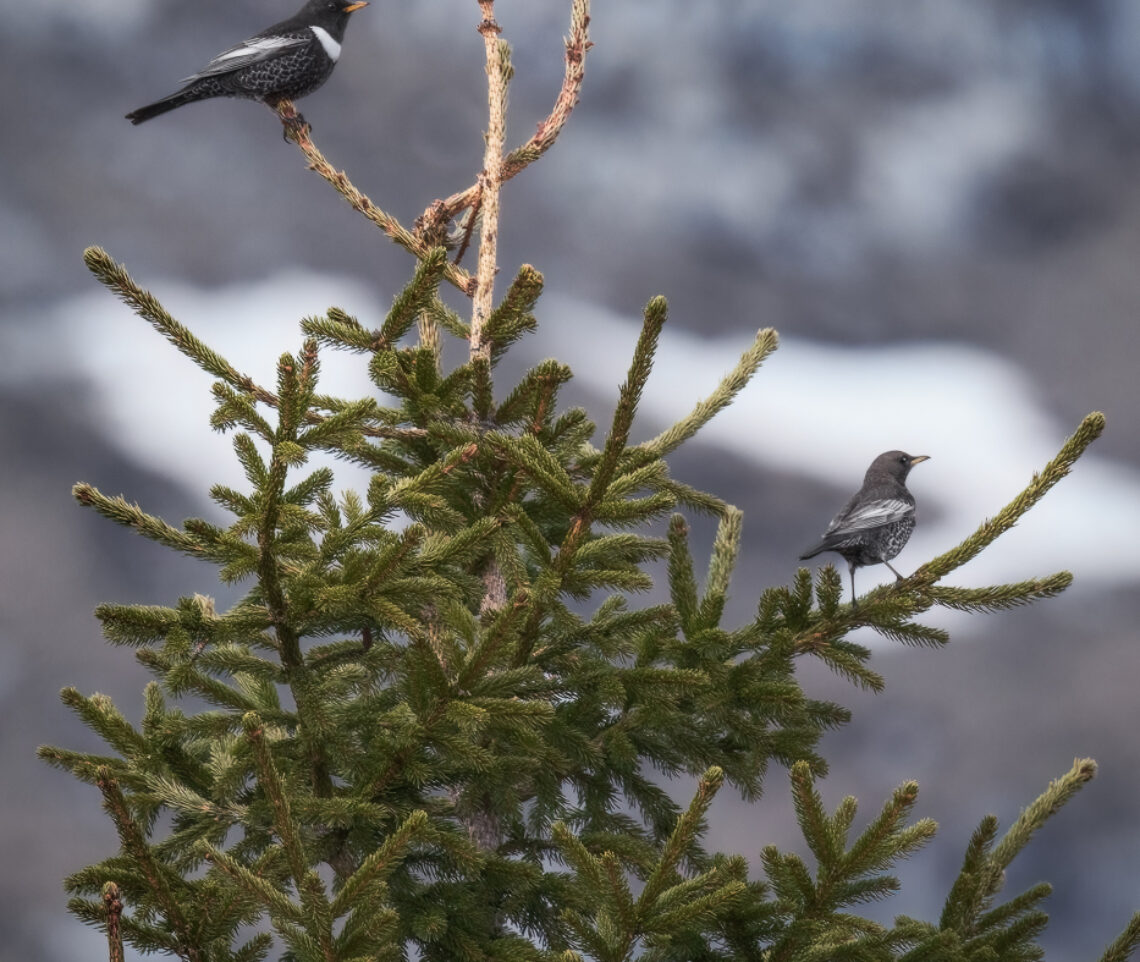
(251, 51)
(870, 514)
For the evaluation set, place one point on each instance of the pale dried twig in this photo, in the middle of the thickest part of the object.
(431, 226)
(498, 76)
(300, 133)
(577, 44)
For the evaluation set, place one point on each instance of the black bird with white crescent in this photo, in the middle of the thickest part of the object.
(875, 525)
(283, 62)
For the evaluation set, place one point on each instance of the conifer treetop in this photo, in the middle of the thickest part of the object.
(438, 721)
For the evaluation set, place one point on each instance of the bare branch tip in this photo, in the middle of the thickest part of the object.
(1085, 768)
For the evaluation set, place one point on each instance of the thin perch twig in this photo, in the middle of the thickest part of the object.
(300, 133)
(441, 212)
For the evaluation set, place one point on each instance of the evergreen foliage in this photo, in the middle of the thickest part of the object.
(437, 723)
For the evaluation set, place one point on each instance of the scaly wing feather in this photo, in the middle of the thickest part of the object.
(870, 514)
(251, 51)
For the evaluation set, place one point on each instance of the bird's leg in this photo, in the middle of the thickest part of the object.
(896, 574)
(854, 600)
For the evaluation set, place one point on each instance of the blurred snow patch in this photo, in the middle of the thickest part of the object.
(154, 402)
(818, 410)
(826, 411)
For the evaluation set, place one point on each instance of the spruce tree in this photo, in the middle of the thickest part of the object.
(438, 724)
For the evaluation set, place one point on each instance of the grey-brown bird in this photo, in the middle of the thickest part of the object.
(876, 523)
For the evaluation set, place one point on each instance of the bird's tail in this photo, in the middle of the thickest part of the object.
(185, 96)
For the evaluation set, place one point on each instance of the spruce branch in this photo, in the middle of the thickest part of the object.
(816, 926)
(847, 660)
(269, 574)
(683, 590)
(1011, 914)
(158, 877)
(381, 862)
(339, 329)
(1001, 597)
(301, 134)
(283, 911)
(689, 826)
(629, 397)
(146, 305)
(1060, 791)
(577, 44)
(885, 840)
(1089, 430)
(594, 506)
(100, 714)
(115, 277)
(513, 318)
(1126, 944)
(531, 400)
(415, 299)
(497, 635)
(912, 633)
(82, 765)
(690, 497)
(180, 798)
(428, 327)
(814, 822)
(968, 891)
(726, 547)
(146, 938)
(1014, 924)
(269, 778)
(767, 340)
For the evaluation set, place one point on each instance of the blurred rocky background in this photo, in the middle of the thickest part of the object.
(935, 203)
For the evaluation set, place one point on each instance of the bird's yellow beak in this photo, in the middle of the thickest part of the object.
(356, 6)
(917, 458)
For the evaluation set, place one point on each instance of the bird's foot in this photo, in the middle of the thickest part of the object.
(898, 577)
(293, 123)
